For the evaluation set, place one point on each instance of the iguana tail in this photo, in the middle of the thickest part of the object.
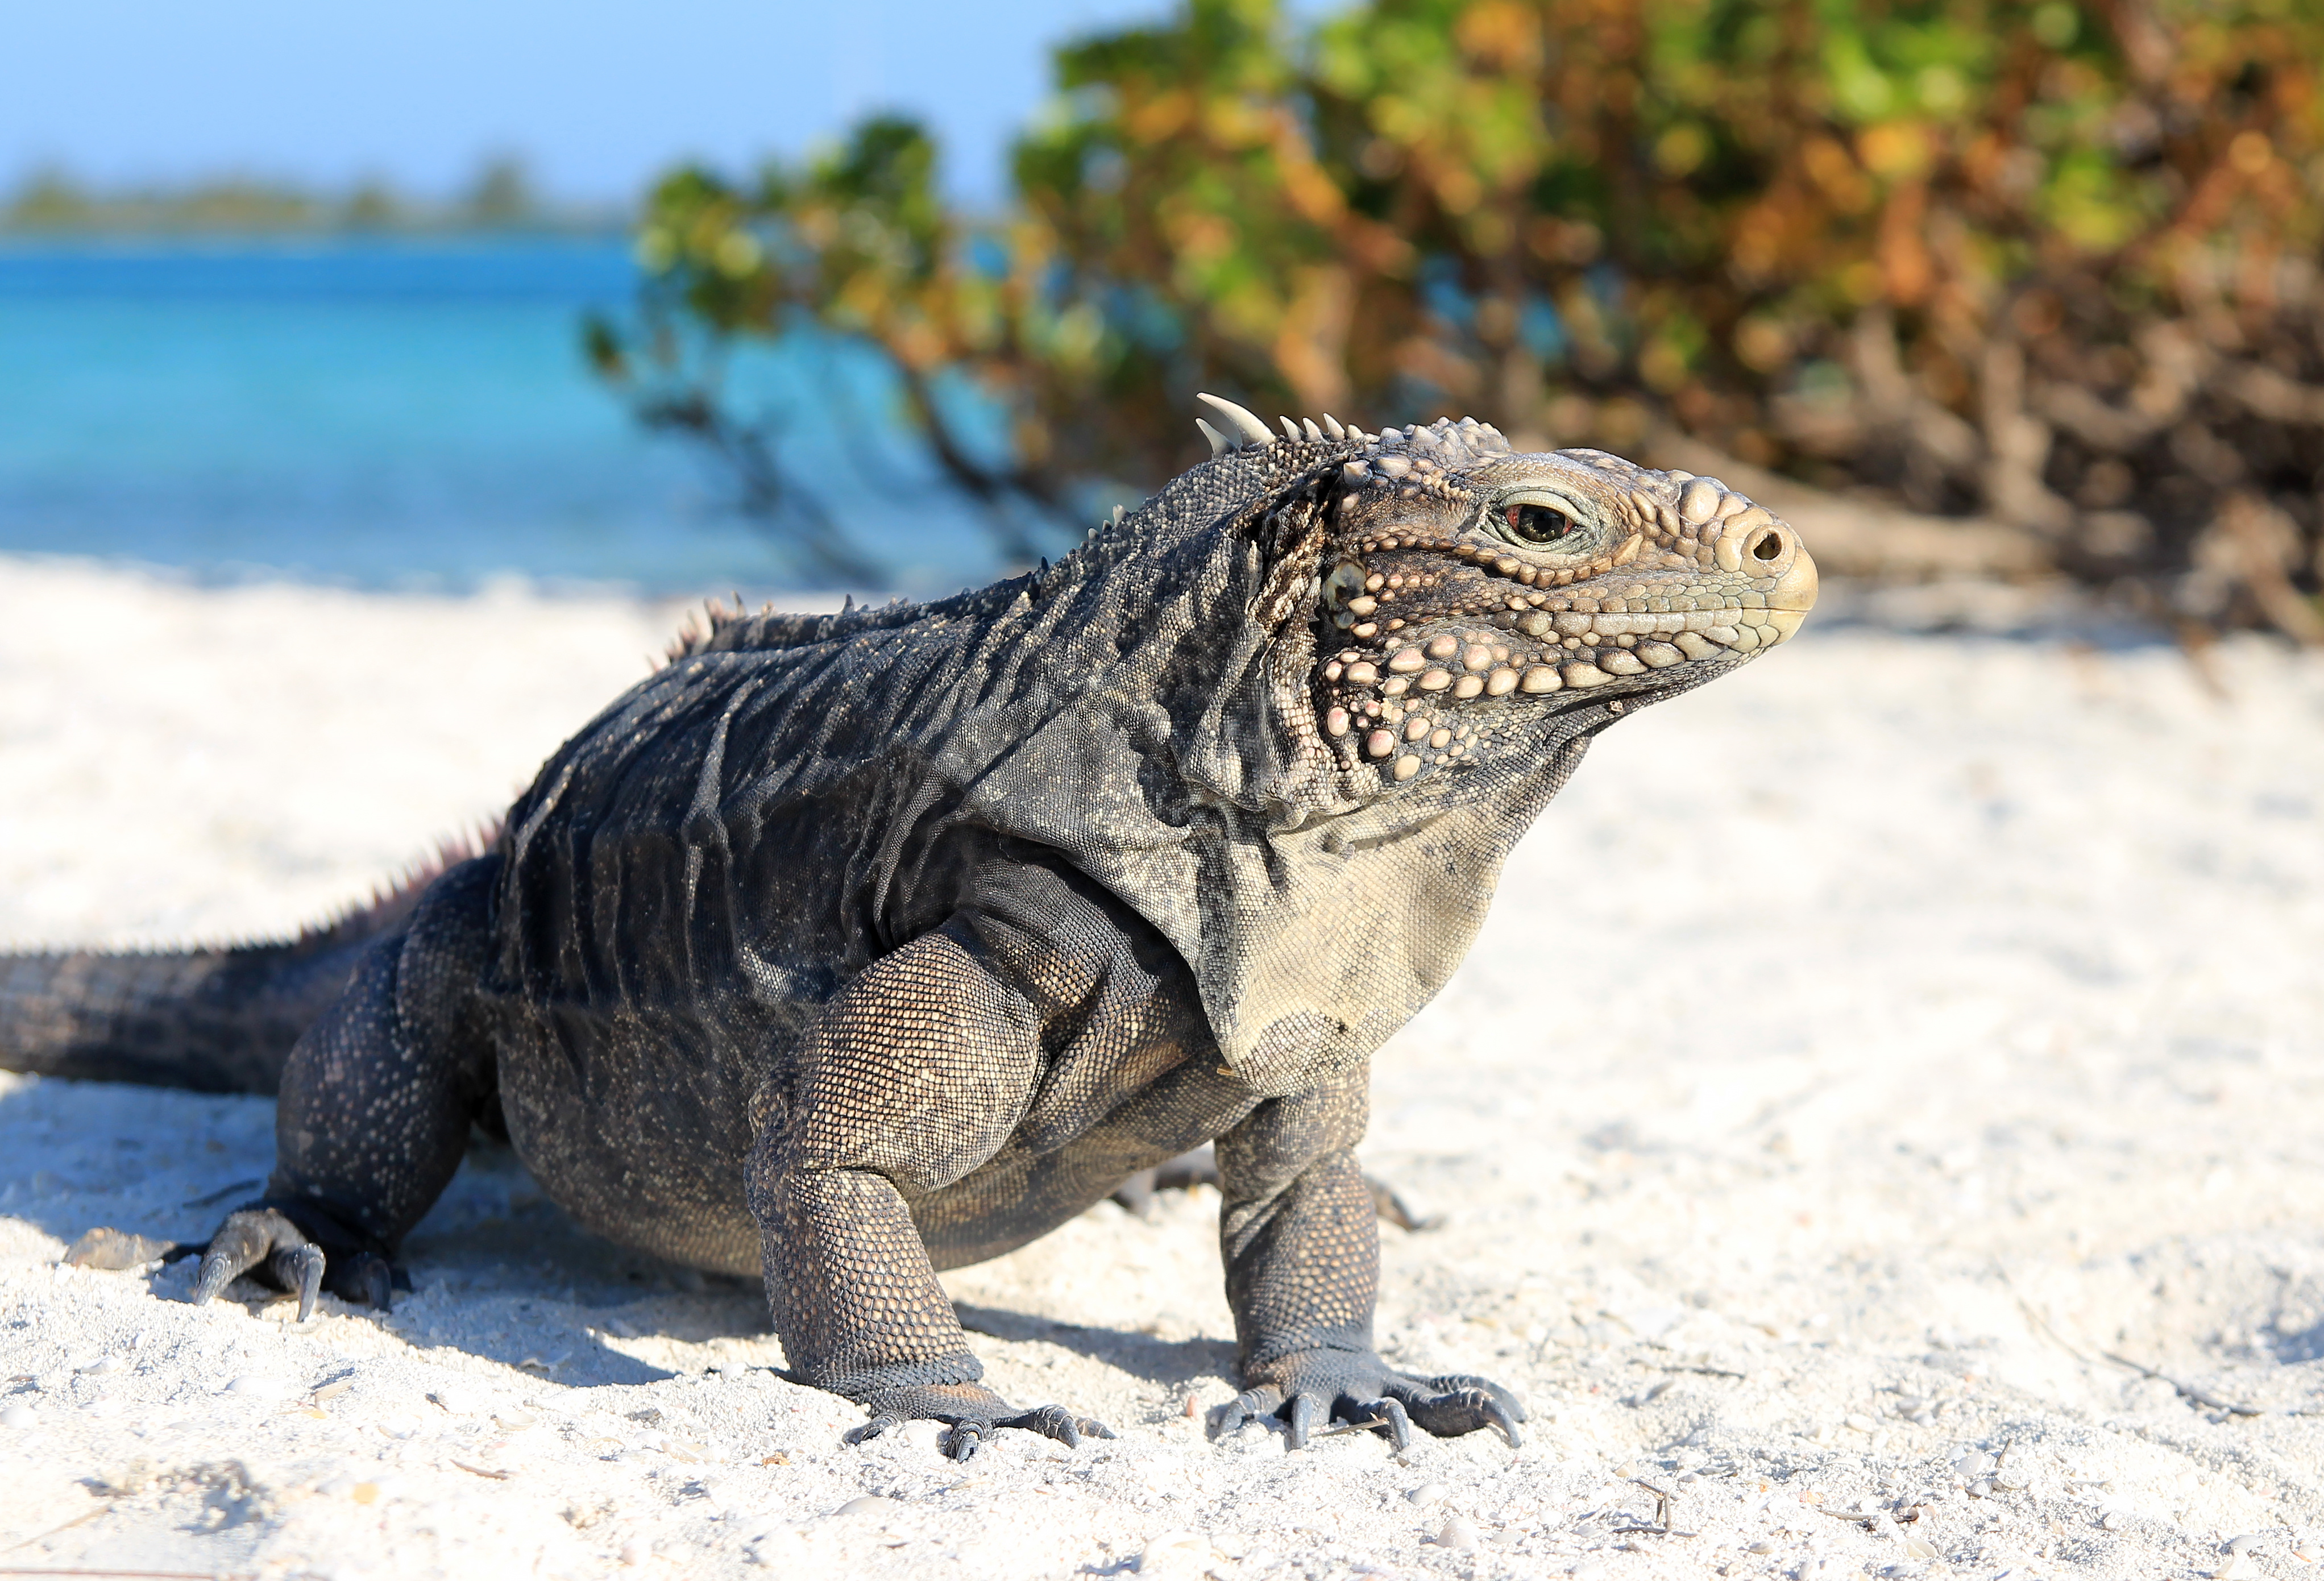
(212, 1020)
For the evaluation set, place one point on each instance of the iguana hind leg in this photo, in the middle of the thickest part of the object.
(376, 1105)
(1300, 1234)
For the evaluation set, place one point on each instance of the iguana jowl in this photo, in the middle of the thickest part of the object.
(849, 948)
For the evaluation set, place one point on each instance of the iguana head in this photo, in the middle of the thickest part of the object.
(1466, 590)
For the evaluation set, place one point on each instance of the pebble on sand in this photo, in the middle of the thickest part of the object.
(259, 1386)
(1458, 1534)
(1174, 1553)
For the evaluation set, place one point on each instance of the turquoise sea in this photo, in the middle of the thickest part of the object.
(390, 413)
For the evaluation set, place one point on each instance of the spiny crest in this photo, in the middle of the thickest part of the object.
(1448, 442)
(391, 901)
(718, 626)
(696, 631)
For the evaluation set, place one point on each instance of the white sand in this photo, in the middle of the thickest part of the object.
(1899, 1025)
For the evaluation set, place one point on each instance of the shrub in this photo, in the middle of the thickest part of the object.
(2054, 266)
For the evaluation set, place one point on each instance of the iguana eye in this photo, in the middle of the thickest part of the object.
(1544, 523)
(1530, 523)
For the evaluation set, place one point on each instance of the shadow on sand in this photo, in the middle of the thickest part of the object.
(1143, 1355)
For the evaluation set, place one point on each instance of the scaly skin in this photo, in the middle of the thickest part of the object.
(847, 948)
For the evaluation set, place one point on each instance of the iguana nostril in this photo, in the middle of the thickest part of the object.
(1767, 546)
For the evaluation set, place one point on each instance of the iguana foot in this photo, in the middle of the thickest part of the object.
(1309, 1388)
(971, 1412)
(298, 1247)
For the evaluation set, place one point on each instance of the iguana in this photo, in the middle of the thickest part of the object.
(849, 948)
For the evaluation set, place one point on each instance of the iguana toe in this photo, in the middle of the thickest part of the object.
(880, 1422)
(1055, 1421)
(1358, 1390)
(1450, 1407)
(370, 1278)
(300, 1268)
(971, 1413)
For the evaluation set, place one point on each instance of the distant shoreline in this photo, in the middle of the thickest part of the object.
(66, 242)
(499, 202)
(578, 228)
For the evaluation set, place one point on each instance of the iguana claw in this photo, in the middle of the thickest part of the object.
(880, 1422)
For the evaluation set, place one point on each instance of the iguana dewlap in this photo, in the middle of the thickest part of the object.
(849, 948)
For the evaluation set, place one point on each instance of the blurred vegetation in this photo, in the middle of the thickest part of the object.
(499, 197)
(2050, 270)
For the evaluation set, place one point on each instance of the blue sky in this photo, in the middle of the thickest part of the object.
(595, 96)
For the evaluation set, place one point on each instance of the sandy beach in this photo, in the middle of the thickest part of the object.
(1880, 1131)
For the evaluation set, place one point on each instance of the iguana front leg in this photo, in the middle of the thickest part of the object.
(1301, 1240)
(913, 1075)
